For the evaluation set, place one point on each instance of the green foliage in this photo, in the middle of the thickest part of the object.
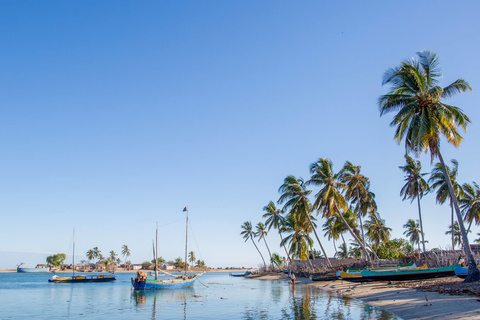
(56, 259)
(343, 251)
(178, 263)
(160, 261)
(276, 260)
(315, 254)
(200, 264)
(394, 249)
(146, 264)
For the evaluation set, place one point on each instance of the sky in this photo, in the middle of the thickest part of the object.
(115, 115)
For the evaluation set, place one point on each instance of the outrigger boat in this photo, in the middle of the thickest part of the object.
(80, 279)
(400, 274)
(324, 277)
(141, 282)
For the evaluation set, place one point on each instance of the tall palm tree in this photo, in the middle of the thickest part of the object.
(276, 260)
(454, 230)
(415, 187)
(356, 190)
(422, 118)
(191, 257)
(331, 230)
(125, 252)
(90, 255)
(330, 200)
(298, 239)
(343, 251)
(470, 204)
(412, 231)
(274, 219)
(261, 234)
(377, 231)
(439, 183)
(248, 234)
(295, 196)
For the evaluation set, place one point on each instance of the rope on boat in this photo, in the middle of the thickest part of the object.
(202, 283)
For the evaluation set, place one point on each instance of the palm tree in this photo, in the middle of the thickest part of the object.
(331, 232)
(295, 195)
(261, 234)
(276, 260)
(413, 232)
(248, 234)
(415, 187)
(125, 252)
(356, 190)
(329, 200)
(274, 219)
(343, 251)
(454, 230)
(377, 232)
(191, 257)
(90, 255)
(470, 204)
(439, 183)
(298, 239)
(422, 118)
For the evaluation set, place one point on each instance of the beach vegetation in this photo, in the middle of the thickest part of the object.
(178, 263)
(200, 264)
(470, 204)
(191, 257)
(248, 234)
(56, 260)
(160, 261)
(413, 232)
(395, 249)
(261, 233)
(274, 218)
(422, 118)
(454, 230)
(125, 252)
(415, 187)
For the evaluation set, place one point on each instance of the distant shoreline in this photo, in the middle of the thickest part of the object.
(121, 270)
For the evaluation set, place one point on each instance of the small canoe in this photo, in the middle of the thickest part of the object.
(246, 273)
(81, 279)
(325, 277)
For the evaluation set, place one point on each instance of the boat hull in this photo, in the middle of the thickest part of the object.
(246, 273)
(149, 284)
(400, 275)
(82, 279)
(328, 277)
(32, 270)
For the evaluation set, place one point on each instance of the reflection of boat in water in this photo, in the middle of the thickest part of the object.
(145, 299)
(32, 270)
(141, 282)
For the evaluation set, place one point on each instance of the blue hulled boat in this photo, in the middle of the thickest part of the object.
(32, 270)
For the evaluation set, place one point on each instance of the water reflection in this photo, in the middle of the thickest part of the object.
(160, 300)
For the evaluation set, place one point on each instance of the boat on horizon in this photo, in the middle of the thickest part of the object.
(400, 274)
(80, 278)
(37, 269)
(141, 282)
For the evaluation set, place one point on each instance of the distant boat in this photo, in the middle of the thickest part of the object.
(80, 279)
(32, 270)
(399, 275)
(141, 282)
(246, 273)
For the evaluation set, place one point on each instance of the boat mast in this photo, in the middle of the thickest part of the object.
(186, 242)
(156, 254)
(73, 265)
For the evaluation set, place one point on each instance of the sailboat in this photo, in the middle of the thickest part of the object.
(79, 279)
(141, 282)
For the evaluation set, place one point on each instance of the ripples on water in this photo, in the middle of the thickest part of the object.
(221, 297)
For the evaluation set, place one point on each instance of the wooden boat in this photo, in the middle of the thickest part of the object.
(325, 277)
(141, 282)
(401, 274)
(32, 270)
(246, 273)
(461, 272)
(80, 279)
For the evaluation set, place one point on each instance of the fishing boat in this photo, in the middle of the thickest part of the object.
(141, 282)
(32, 270)
(324, 277)
(80, 278)
(400, 274)
(244, 274)
(461, 272)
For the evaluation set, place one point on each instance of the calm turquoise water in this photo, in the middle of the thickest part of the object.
(30, 296)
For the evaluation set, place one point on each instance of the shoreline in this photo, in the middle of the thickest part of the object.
(406, 302)
(120, 270)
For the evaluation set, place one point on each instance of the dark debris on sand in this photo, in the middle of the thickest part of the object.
(448, 285)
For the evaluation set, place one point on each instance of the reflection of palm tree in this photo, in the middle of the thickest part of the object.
(248, 234)
(295, 195)
(470, 203)
(413, 232)
(422, 118)
(274, 219)
(261, 234)
(440, 183)
(415, 187)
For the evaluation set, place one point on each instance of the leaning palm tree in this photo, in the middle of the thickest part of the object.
(330, 200)
(125, 252)
(274, 219)
(298, 239)
(470, 204)
(248, 234)
(331, 231)
(439, 183)
(356, 191)
(415, 187)
(276, 260)
(262, 234)
(295, 196)
(422, 118)
(413, 231)
(454, 230)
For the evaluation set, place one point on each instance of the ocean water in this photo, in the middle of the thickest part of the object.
(214, 296)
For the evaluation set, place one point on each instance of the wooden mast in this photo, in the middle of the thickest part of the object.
(73, 265)
(186, 243)
(156, 254)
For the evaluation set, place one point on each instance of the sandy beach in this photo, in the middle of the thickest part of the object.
(407, 303)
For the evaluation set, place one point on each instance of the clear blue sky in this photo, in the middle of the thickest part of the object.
(117, 114)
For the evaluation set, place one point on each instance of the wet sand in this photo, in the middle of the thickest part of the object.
(407, 303)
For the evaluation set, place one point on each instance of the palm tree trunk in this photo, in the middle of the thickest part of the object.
(453, 233)
(473, 273)
(363, 236)
(335, 247)
(469, 225)
(344, 243)
(421, 224)
(285, 248)
(320, 243)
(267, 248)
(353, 233)
(259, 252)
